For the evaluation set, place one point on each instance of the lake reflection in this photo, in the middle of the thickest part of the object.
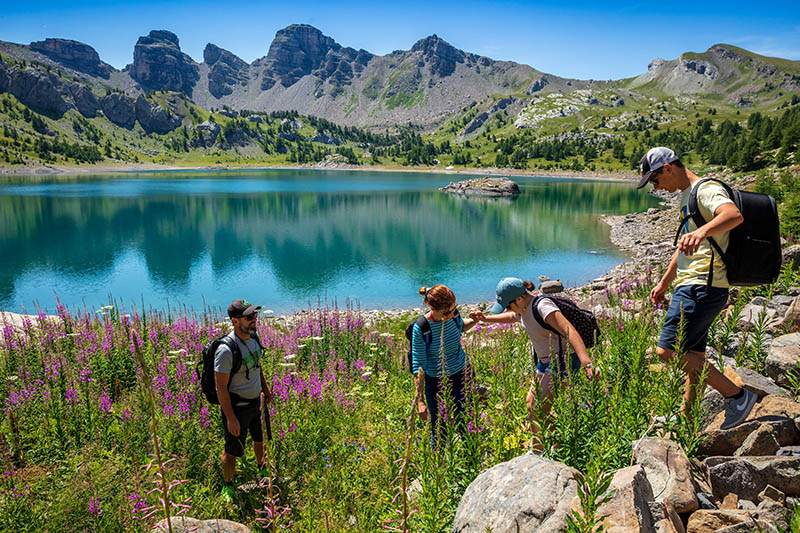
(284, 239)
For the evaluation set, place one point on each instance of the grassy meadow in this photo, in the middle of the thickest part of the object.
(87, 396)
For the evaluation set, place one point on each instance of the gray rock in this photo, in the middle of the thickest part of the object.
(187, 524)
(780, 300)
(487, 186)
(706, 501)
(669, 472)
(755, 382)
(226, 70)
(119, 109)
(778, 412)
(326, 137)
(299, 50)
(42, 92)
(748, 476)
(551, 287)
(665, 518)
(205, 134)
(713, 404)
(85, 100)
(752, 315)
(75, 55)
(745, 505)
(154, 118)
(760, 442)
(475, 123)
(527, 493)
(158, 64)
(783, 357)
(788, 451)
(792, 253)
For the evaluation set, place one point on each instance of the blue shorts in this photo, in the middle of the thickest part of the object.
(700, 306)
(574, 363)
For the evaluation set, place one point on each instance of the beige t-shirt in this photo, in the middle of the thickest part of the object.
(544, 341)
(693, 270)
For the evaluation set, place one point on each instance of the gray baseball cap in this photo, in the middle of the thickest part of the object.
(508, 290)
(654, 159)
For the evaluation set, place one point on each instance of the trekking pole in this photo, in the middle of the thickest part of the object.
(265, 427)
(267, 420)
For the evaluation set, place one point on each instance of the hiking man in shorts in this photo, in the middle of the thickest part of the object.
(240, 394)
(692, 299)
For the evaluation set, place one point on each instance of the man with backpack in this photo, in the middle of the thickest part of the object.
(240, 385)
(699, 275)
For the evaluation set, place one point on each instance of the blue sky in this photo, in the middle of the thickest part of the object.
(596, 39)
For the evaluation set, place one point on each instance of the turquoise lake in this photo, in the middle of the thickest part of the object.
(287, 239)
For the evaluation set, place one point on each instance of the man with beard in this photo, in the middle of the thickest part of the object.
(240, 390)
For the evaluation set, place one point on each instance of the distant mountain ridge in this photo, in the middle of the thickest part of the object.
(307, 71)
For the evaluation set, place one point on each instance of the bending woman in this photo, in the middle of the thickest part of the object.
(439, 353)
(515, 300)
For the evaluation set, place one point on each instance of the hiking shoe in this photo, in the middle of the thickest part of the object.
(736, 411)
(227, 493)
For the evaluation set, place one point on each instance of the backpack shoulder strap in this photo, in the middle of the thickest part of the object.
(236, 352)
(425, 329)
(258, 340)
(459, 320)
(538, 316)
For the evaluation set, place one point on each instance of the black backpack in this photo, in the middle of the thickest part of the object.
(584, 321)
(425, 328)
(205, 367)
(754, 255)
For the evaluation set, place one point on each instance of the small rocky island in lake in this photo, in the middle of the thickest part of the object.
(483, 187)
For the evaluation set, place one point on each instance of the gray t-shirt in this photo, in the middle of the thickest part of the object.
(246, 383)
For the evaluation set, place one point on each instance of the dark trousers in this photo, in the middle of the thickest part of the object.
(432, 386)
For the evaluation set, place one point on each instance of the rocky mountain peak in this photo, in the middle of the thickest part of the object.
(159, 64)
(441, 55)
(300, 49)
(226, 70)
(73, 54)
(163, 37)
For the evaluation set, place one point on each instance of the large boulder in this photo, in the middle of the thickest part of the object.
(749, 476)
(527, 493)
(778, 412)
(75, 55)
(783, 357)
(154, 118)
(551, 286)
(669, 472)
(752, 381)
(158, 64)
(187, 524)
(119, 109)
(760, 442)
(752, 315)
(205, 135)
(791, 318)
(792, 253)
(85, 100)
(487, 186)
(627, 511)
